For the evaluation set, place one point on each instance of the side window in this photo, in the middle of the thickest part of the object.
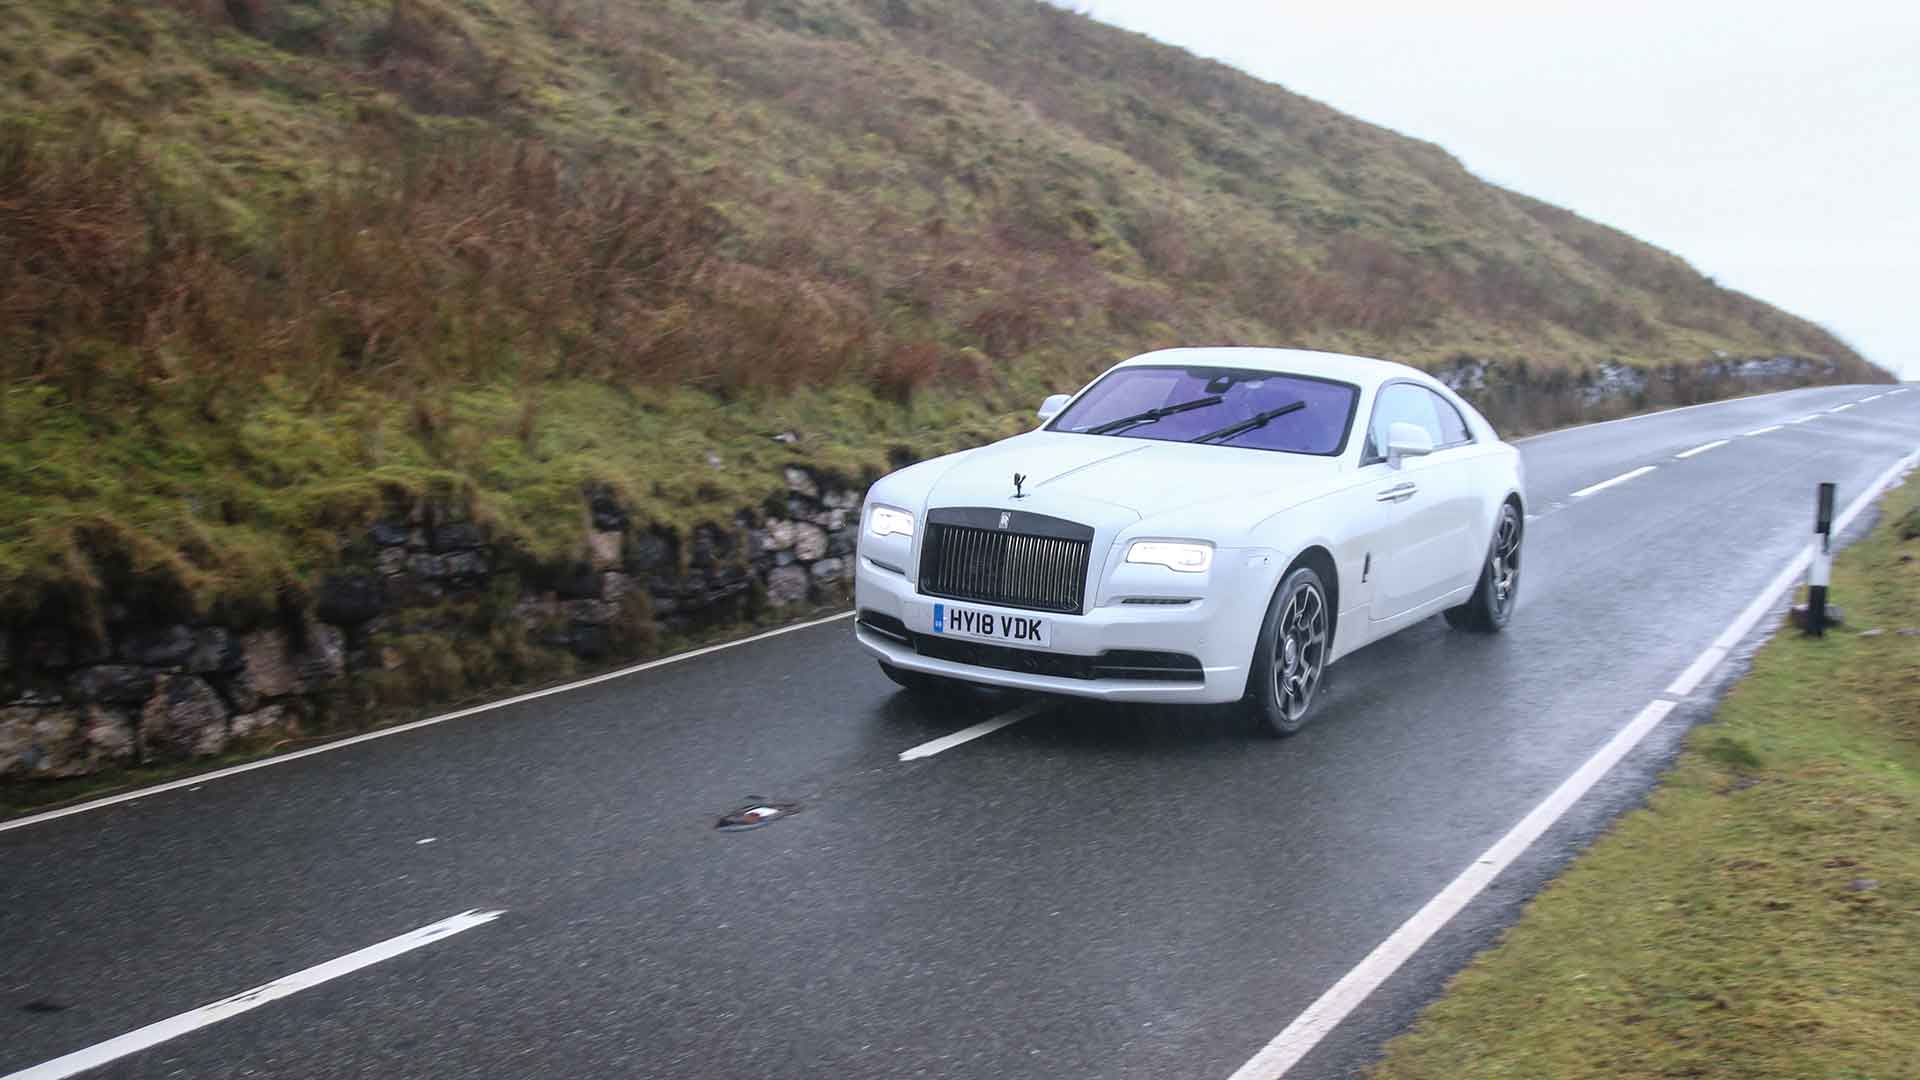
(1401, 403)
(1452, 425)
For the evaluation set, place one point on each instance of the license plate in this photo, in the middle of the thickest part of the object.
(956, 621)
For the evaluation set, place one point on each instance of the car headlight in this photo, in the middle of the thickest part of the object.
(886, 521)
(1188, 558)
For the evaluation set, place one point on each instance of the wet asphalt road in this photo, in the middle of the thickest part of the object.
(1095, 891)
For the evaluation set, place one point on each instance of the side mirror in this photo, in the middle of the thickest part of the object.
(1051, 407)
(1406, 440)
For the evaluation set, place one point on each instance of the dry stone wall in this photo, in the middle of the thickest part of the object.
(74, 704)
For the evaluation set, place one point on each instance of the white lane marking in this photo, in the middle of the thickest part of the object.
(1709, 658)
(1605, 484)
(175, 1026)
(1902, 390)
(1842, 408)
(1701, 449)
(1326, 1012)
(1875, 397)
(1660, 412)
(221, 774)
(1789, 575)
(425, 840)
(984, 727)
(1763, 431)
(1804, 419)
(1307, 1029)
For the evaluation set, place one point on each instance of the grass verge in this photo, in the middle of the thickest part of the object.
(1760, 916)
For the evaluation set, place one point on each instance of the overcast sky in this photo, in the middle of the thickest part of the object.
(1775, 146)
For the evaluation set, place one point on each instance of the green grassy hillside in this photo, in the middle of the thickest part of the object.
(265, 264)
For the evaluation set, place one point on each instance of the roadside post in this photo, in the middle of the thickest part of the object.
(1821, 569)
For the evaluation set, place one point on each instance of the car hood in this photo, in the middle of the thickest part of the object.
(1148, 478)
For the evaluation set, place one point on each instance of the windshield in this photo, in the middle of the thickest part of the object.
(1261, 410)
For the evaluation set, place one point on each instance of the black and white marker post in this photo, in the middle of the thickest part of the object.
(1822, 567)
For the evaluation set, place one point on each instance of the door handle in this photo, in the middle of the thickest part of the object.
(1399, 492)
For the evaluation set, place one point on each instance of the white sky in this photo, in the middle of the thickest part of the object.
(1775, 146)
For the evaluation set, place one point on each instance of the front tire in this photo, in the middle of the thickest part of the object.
(1290, 659)
(1491, 604)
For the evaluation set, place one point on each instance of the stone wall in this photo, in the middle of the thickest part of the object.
(151, 694)
(1517, 398)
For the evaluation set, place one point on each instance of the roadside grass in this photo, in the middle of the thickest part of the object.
(1760, 916)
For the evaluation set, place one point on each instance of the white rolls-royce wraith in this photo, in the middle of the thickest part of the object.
(1196, 525)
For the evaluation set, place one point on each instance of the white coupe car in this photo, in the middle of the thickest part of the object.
(1196, 525)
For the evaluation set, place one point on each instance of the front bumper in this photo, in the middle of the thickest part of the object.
(1217, 629)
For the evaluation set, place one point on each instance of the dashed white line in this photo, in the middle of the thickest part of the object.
(1804, 419)
(1762, 431)
(1902, 390)
(1875, 397)
(1651, 415)
(1605, 484)
(1701, 449)
(967, 735)
(1843, 408)
(1311, 1026)
(175, 1026)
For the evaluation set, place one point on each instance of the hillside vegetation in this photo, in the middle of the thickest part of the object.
(267, 265)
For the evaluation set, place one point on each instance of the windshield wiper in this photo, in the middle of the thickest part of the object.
(1258, 420)
(1151, 415)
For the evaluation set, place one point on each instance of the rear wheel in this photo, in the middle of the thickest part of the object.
(1491, 604)
(1291, 656)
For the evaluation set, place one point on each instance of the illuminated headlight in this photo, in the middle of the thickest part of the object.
(1188, 558)
(886, 521)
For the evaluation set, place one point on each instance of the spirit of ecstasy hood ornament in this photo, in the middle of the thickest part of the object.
(1018, 479)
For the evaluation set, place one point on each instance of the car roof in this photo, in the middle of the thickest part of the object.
(1361, 370)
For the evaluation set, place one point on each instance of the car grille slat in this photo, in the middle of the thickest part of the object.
(1006, 567)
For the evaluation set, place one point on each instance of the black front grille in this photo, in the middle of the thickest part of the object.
(1031, 561)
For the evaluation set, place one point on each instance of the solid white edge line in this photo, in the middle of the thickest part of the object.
(1703, 448)
(1761, 604)
(1788, 576)
(1318, 1019)
(399, 729)
(1321, 1017)
(1605, 484)
(175, 1026)
(1881, 483)
(1761, 431)
(1709, 658)
(968, 734)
